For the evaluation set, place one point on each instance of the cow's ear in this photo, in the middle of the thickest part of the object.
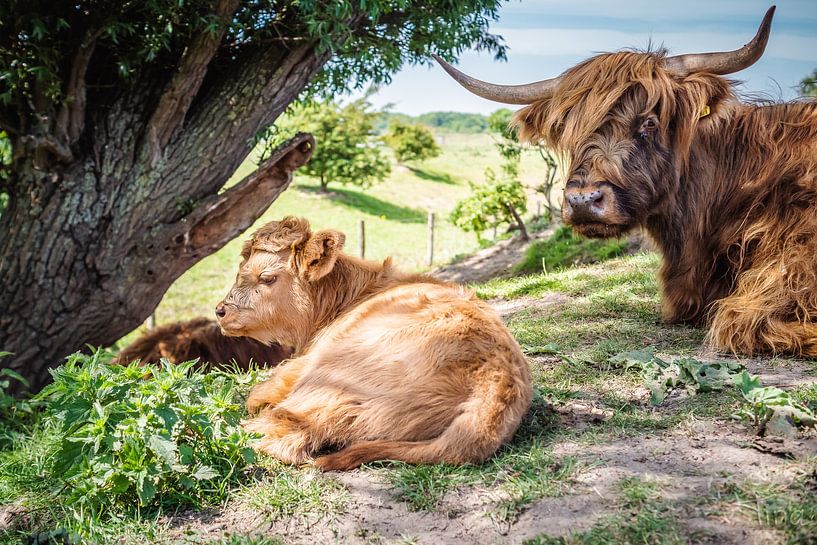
(319, 254)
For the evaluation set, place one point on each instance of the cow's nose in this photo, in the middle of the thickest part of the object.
(585, 199)
(220, 310)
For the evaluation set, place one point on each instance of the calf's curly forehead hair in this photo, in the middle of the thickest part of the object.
(277, 236)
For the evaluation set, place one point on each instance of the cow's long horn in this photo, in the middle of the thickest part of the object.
(725, 62)
(507, 94)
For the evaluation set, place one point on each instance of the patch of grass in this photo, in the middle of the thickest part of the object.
(288, 492)
(641, 519)
(614, 307)
(423, 487)
(790, 508)
(566, 249)
(238, 539)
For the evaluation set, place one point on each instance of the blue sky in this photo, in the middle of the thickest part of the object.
(545, 37)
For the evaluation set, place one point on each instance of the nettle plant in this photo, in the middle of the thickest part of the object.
(124, 439)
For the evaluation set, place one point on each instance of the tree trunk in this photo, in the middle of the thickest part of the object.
(91, 239)
(523, 231)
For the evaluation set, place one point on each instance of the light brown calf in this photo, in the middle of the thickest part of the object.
(387, 366)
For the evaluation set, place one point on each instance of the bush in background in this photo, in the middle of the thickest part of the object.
(411, 142)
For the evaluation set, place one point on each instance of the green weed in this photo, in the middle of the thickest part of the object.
(123, 441)
(691, 374)
(772, 409)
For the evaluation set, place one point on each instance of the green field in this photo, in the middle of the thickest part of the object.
(395, 214)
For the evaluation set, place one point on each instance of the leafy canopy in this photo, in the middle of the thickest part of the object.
(369, 39)
(411, 142)
(347, 150)
(808, 86)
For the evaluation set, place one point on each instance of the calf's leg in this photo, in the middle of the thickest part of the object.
(285, 435)
(273, 391)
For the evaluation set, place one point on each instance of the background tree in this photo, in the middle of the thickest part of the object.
(411, 142)
(347, 151)
(126, 119)
(808, 86)
(507, 142)
(497, 202)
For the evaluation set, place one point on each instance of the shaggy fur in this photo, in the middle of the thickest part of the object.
(388, 365)
(730, 198)
(200, 338)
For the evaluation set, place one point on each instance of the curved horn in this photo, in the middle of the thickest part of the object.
(725, 62)
(507, 94)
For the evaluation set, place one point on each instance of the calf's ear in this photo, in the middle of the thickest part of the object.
(319, 254)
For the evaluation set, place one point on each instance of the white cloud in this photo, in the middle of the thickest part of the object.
(585, 42)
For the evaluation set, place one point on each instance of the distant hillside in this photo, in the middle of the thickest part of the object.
(459, 122)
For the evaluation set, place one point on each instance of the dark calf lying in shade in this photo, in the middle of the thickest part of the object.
(200, 338)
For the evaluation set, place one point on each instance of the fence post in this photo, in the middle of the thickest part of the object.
(361, 235)
(430, 238)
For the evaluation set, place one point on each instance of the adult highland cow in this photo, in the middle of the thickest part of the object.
(727, 190)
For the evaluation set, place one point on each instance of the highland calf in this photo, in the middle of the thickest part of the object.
(387, 365)
(727, 190)
(200, 339)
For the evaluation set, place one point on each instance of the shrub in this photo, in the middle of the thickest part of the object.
(490, 205)
(411, 142)
(143, 436)
(346, 150)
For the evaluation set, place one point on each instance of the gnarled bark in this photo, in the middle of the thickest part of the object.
(97, 229)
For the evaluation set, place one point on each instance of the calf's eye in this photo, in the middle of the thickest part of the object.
(268, 279)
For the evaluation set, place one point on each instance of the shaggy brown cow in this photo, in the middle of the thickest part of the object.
(727, 190)
(388, 365)
(200, 338)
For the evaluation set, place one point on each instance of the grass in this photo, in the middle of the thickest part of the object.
(613, 308)
(286, 492)
(641, 518)
(788, 507)
(566, 249)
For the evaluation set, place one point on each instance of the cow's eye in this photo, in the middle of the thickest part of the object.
(648, 126)
(268, 279)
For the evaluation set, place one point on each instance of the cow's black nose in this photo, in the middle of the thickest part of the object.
(220, 310)
(583, 200)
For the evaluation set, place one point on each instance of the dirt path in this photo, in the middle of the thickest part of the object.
(492, 262)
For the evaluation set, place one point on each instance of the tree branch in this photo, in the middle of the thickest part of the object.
(178, 96)
(221, 218)
(71, 117)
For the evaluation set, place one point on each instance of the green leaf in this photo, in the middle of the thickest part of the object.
(165, 449)
(204, 473)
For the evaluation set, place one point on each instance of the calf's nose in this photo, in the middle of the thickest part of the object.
(220, 310)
